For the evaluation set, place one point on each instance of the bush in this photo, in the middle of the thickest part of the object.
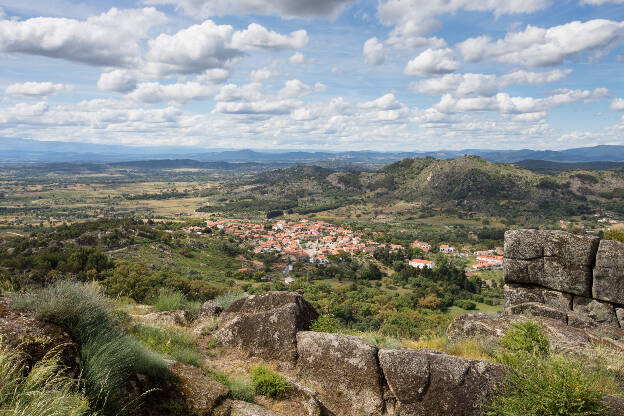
(552, 386)
(617, 235)
(226, 299)
(172, 342)
(526, 337)
(169, 300)
(109, 356)
(240, 388)
(268, 383)
(42, 390)
(326, 323)
(466, 304)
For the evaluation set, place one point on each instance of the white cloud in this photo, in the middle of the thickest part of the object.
(257, 37)
(386, 102)
(536, 46)
(284, 8)
(469, 84)
(110, 39)
(373, 52)
(432, 61)
(413, 19)
(119, 80)
(516, 105)
(260, 75)
(294, 88)
(208, 46)
(153, 92)
(297, 59)
(533, 78)
(35, 89)
(214, 76)
(617, 104)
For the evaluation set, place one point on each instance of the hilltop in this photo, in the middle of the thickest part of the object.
(468, 185)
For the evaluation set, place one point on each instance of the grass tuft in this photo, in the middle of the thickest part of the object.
(109, 356)
(241, 388)
(43, 390)
(226, 299)
(175, 343)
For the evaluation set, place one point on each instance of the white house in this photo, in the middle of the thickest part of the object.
(421, 264)
(445, 248)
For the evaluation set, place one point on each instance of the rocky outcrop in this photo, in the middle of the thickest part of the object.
(239, 408)
(609, 272)
(562, 338)
(266, 325)
(432, 383)
(344, 370)
(164, 318)
(209, 309)
(577, 279)
(35, 338)
(201, 394)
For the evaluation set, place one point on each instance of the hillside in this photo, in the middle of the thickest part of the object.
(466, 185)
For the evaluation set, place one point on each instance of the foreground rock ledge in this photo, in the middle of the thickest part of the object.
(266, 325)
(432, 383)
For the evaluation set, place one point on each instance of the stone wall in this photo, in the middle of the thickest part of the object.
(578, 279)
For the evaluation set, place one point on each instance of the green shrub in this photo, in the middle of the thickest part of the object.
(466, 304)
(42, 390)
(551, 386)
(169, 300)
(617, 235)
(526, 337)
(175, 343)
(109, 356)
(226, 299)
(268, 383)
(241, 388)
(326, 323)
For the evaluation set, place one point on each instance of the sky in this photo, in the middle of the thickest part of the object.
(386, 75)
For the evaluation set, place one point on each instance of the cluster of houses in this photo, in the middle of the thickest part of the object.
(313, 241)
(303, 241)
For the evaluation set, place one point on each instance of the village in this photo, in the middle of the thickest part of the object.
(313, 241)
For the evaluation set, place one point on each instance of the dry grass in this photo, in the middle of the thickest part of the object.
(469, 348)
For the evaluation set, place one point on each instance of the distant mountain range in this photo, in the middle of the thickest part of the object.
(26, 150)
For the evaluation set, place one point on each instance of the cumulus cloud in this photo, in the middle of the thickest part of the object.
(257, 37)
(516, 105)
(617, 104)
(153, 92)
(118, 80)
(110, 39)
(35, 89)
(432, 61)
(284, 8)
(537, 46)
(260, 75)
(386, 102)
(413, 19)
(373, 52)
(208, 46)
(295, 88)
(297, 59)
(470, 84)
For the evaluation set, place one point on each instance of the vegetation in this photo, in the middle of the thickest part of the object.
(108, 355)
(43, 390)
(240, 387)
(540, 384)
(177, 344)
(268, 383)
